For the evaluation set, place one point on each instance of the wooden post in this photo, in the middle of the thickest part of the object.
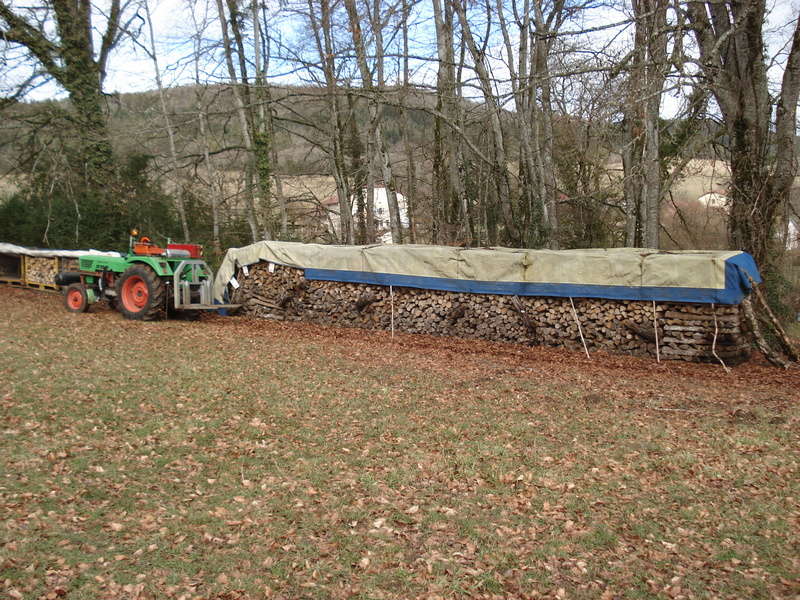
(580, 329)
(714, 342)
(655, 329)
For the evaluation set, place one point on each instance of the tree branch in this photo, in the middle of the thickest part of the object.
(110, 37)
(786, 113)
(19, 31)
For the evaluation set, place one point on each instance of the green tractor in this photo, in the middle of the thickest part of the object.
(146, 283)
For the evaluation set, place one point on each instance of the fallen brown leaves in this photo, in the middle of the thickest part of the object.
(239, 459)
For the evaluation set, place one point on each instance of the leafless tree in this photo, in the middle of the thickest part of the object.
(641, 159)
(381, 153)
(452, 205)
(173, 153)
(320, 20)
(241, 95)
(500, 160)
(762, 148)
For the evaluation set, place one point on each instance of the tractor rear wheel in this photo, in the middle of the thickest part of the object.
(75, 298)
(140, 293)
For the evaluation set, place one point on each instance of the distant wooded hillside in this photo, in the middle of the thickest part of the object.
(209, 160)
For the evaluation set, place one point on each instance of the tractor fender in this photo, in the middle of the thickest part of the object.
(161, 267)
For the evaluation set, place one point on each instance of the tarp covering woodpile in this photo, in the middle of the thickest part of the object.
(6, 248)
(721, 277)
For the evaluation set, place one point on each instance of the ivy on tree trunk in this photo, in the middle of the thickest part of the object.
(67, 55)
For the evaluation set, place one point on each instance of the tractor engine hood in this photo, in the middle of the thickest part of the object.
(176, 253)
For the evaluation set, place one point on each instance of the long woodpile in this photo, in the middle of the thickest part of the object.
(685, 331)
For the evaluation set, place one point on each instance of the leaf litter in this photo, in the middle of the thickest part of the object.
(228, 458)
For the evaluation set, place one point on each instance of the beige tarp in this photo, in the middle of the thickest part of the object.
(628, 267)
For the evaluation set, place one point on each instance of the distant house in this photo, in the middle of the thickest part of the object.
(793, 234)
(714, 199)
(381, 205)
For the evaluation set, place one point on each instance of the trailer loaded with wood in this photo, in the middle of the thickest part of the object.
(37, 267)
(671, 305)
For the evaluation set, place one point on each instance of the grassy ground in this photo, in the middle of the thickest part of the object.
(237, 459)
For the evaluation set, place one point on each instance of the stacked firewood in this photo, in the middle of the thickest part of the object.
(41, 269)
(683, 331)
(68, 264)
(689, 328)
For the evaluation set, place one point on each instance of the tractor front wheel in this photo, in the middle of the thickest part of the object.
(140, 293)
(75, 298)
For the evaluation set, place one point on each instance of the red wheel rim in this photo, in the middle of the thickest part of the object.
(75, 299)
(135, 293)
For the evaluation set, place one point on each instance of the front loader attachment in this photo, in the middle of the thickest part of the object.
(191, 283)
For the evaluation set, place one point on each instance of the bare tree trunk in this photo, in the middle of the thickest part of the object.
(359, 172)
(451, 200)
(372, 234)
(411, 174)
(543, 113)
(652, 173)
(173, 162)
(536, 171)
(631, 183)
(500, 162)
(326, 53)
(269, 121)
(382, 155)
(262, 142)
(279, 195)
(214, 181)
(524, 99)
(441, 193)
(244, 123)
(363, 176)
(641, 156)
(762, 157)
(454, 111)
